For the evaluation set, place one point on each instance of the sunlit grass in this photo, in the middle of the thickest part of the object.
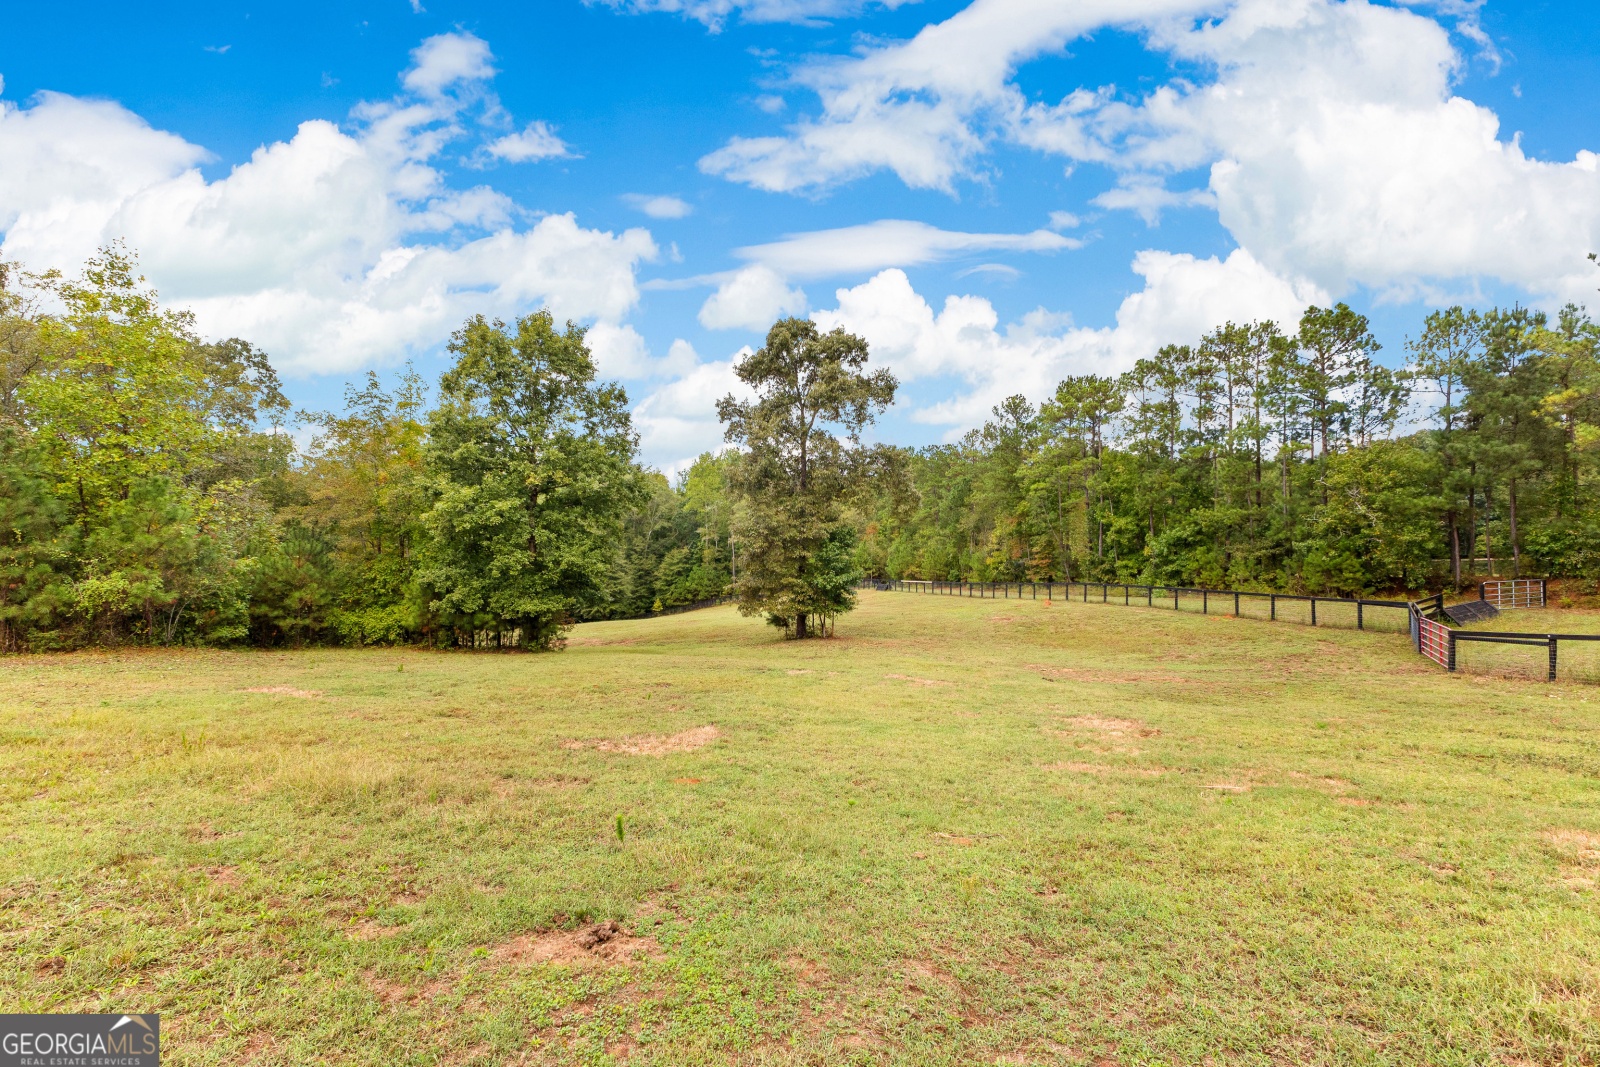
(964, 831)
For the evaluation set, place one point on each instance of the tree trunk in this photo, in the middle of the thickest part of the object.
(1516, 555)
(1472, 531)
(800, 627)
(1455, 548)
(1258, 475)
(1488, 542)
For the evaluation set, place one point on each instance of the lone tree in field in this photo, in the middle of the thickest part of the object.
(802, 454)
(531, 467)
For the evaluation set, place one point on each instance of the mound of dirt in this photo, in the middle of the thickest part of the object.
(603, 944)
(653, 744)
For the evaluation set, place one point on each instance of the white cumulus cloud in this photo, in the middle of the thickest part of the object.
(751, 299)
(678, 421)
(535, 142)
(714, 13)
(1183, 297)
(446, 60)
(341, 247)
(1328, 134)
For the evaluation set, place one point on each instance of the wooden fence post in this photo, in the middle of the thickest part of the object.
(1552, 640)
(1313, 611)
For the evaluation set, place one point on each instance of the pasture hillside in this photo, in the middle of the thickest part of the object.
(960, 832)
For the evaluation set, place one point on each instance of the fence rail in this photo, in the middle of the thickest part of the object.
(1276, 607)
(1429, 627)
(674, 609)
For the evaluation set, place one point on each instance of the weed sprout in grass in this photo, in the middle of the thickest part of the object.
(619, 829)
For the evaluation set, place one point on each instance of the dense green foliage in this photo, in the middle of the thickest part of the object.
(1255, 459)
(151, 490)
(801, 457)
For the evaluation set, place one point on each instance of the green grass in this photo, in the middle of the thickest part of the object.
(962, 832)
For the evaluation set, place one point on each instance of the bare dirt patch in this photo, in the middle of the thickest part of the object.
(1114, 727)
(224, 876)
(260, 1045)
(603, 944)
(916, 681)
(653, 744)
(368, 930)
(284, 691)
(391, 992)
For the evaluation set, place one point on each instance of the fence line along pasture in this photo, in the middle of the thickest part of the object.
(1355, 613)
(679, 609)
(1427, 621)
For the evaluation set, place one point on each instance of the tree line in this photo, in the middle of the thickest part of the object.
(151, 490)
(1257, 459)
(156, 488)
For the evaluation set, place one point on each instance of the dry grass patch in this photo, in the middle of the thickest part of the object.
(284, 691)
(1078, 728)
(1581, 849)
(653, 744)
(1104, 769)
(916, 681)
(1079, 674)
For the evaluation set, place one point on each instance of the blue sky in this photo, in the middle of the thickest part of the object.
(995, 193)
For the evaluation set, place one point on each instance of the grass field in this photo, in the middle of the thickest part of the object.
(962, 832)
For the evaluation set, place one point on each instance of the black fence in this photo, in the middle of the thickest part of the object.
(678, 609)
(1345, 612)
(1442, 644)
(1425, 621)
(674, 609)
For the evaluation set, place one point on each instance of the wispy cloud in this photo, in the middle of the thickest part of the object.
(658, 207)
